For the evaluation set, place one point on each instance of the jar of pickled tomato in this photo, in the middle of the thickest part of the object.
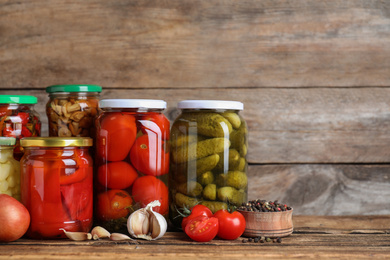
(19, 119)
(208, 156)
(57, 185)
(71, 110)
(132, 160)
(9, 168)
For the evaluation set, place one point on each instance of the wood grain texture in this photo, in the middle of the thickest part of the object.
(313, 237)
(323, 189)
(305, 125)
(192, 44)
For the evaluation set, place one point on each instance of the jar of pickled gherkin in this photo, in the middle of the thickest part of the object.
(19, 119)
(9, 168)
(57, 185)
(208, 166)
(132, 160)
(71, 110)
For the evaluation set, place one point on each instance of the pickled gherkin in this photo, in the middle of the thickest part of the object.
(208, 152)
(210, 124)
(200, 149)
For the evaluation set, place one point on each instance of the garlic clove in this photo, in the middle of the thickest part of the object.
(77, 236)
(99, 232)
(147, 224)
(119, 237)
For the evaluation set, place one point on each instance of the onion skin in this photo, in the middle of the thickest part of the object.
(14, 219)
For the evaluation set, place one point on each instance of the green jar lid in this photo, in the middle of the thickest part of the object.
(18, 99)
(73, 88)
(7, 140)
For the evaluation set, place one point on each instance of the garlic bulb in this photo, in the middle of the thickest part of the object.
(147, 224)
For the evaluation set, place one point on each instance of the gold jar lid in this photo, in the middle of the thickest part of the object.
(55, 141)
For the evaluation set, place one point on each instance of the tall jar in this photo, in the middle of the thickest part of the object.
(208, 156)
(71, 110)
(19, 119)
(9, 168)
(57, 185)
(132, 160)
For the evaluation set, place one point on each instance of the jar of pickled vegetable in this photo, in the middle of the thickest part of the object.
(9, 168)
(132, 160)
(208, 156)
(19, 119)
(57, 185)
(71, 110)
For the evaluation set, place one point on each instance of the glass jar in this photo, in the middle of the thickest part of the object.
(132, 160)
(208, 157)
(57, 185)
(71, 110)
(19, 119)
(9, 168)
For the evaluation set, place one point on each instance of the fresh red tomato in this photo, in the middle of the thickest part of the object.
(231, 225)
(148, 156)
(202, 229)
(156, 123)
(196, 211)
(116, 175)
(115, 136)
(147, 189)
(113, 204)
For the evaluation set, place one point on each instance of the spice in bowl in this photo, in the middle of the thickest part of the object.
(266, 219)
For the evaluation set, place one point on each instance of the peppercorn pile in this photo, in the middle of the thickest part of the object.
(263, 206)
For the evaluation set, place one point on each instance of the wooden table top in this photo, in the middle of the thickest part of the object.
(320, 237)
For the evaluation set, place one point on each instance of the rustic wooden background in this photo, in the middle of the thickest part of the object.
(314, 77)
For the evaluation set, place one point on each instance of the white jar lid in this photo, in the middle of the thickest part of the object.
(210, 104)
(133, 103)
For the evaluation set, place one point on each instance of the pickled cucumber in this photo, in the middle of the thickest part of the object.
(235, 179)
(231, 195)
(180, 171)
(233, 161)
(210, 192)
(206, 178)
(190, 188)
(182, 200)
(210, 124)
(214, 206)
(233, 118)
(240, 166)
(200, 149)
(238, 137)
(183, 140)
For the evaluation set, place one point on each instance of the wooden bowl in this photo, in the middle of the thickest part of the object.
(268, 224)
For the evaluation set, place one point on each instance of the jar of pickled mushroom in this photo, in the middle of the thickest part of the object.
(19, 119)
(208, 156)
(71, 110)
(57, 185)
(9, 168)
(132, 160)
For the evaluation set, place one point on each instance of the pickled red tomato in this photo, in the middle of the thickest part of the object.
(148, 155)
(116, 175)
(147, 189)
(115, 136)
(155, 123)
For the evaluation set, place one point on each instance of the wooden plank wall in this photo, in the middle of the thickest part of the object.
(314, 77)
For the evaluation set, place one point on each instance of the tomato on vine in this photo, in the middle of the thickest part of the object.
(202, 228)
(231, 225)
(195, 211)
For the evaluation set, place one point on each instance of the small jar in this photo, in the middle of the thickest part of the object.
(57, 185)
(71, 110)
(132, 160)
(19, 119)
(208, 156)
(9, 168)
